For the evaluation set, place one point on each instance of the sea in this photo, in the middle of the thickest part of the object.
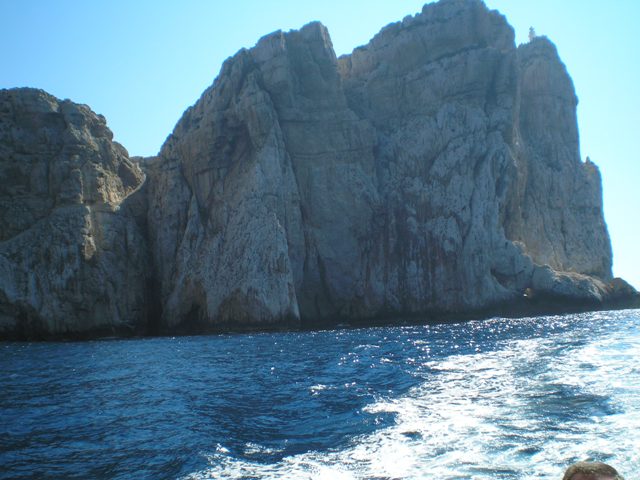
(491, 399)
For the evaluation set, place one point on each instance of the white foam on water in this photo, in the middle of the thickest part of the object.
(493, 415)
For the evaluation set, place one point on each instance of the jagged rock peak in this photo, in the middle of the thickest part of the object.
(548, 72)
(272, 44)
(416, 174)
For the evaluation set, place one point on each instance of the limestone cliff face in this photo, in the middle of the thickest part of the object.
(557, 212)
(72, 261)
(435, 169)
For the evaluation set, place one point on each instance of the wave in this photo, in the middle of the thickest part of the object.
(524, 410)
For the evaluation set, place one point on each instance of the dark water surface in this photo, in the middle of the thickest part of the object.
(494, 399)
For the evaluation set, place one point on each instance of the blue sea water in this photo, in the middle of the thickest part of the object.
(492, 399)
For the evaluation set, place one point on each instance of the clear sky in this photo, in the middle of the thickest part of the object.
(142, 63)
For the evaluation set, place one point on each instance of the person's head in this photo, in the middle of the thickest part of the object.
(591, 471)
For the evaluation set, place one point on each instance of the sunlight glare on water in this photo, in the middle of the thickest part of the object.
(493, 399)
(523, 410)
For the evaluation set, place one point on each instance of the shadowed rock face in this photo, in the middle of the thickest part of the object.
(434, 170)
(71, 260)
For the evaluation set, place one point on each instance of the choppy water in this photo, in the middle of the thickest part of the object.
(495, 399)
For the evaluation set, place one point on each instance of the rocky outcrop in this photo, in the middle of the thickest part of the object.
(72, 259)
(435, 170)
(557, 211)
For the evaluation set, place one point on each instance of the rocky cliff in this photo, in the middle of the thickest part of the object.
(435, 170)
(72, 260)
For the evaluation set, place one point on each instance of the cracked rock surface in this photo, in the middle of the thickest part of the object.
(72, 260)
(435, 170)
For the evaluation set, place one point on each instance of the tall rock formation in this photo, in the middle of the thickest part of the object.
(436, 169)
(72, 259)
(557, 211)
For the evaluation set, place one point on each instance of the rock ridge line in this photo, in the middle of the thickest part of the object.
(433, 173)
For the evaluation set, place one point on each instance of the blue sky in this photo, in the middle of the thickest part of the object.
(142, 63)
